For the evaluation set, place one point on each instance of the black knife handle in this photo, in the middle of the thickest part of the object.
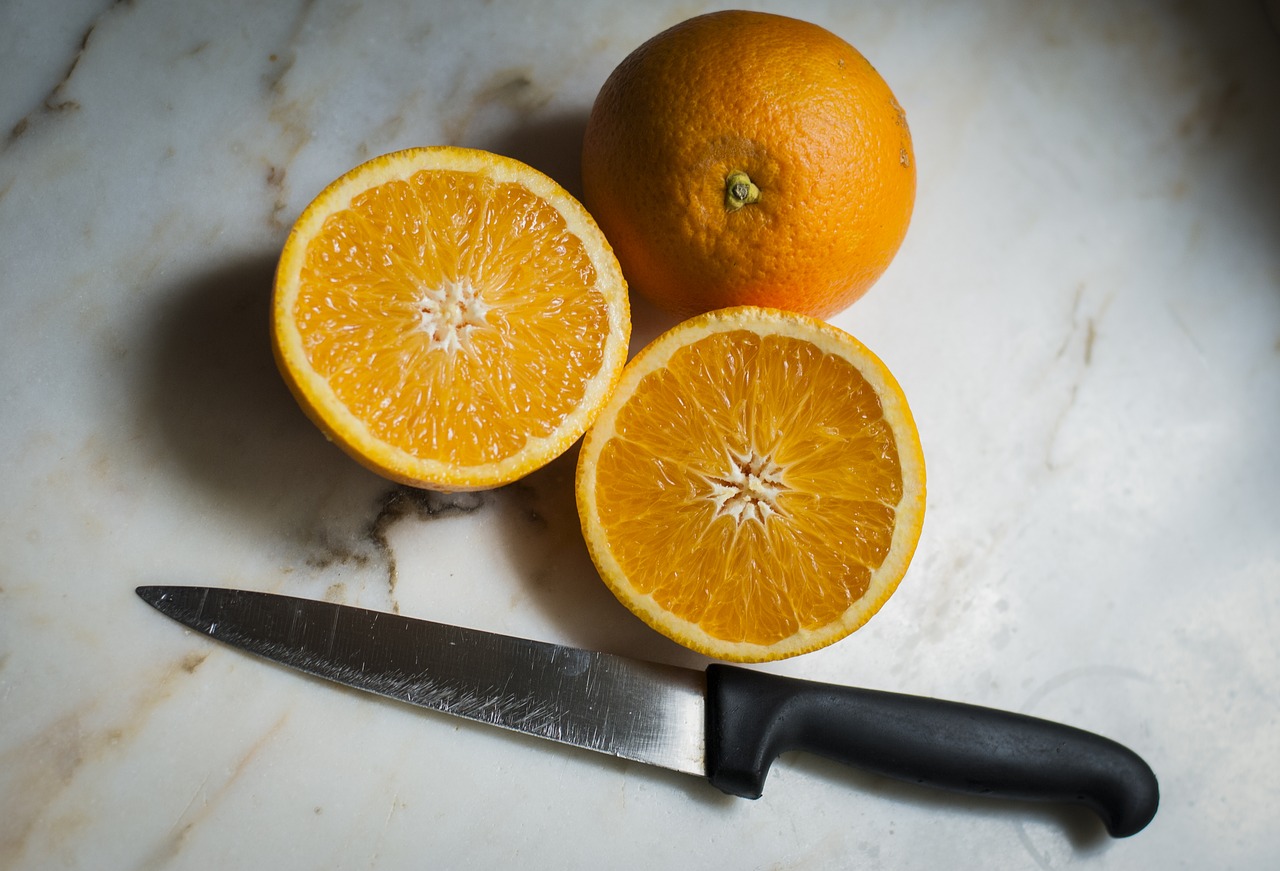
(753, 716)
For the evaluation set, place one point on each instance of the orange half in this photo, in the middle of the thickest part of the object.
(451, 318)
(755, 487)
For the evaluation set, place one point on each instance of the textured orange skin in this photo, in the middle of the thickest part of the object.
(795, 107)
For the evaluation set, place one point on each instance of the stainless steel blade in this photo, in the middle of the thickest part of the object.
(635, 710)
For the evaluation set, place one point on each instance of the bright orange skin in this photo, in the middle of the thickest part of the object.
(797, 109)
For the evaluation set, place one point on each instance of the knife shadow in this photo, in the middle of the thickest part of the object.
(697, 789)
(1082, 829)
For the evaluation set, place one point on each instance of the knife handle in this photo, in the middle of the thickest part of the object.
(753, 716)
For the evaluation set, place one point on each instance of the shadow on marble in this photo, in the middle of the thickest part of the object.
(1232, 133)
(551, 144)
(223, 415)
(558, 577)
(1079, 826)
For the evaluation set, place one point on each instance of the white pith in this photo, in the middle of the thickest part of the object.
(749, 488)
(450, 313)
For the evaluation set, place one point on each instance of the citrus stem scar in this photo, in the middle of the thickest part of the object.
(739, 191)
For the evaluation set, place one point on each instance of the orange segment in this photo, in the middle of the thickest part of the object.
(451, 318)
(755, 487)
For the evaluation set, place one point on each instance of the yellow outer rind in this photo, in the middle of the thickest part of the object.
(344, 429)
(910, 510)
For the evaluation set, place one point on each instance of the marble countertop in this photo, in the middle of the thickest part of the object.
(1085, 317)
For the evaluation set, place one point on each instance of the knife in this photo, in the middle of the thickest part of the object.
(726, 723)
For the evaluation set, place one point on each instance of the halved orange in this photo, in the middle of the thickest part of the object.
(451, 318)
(755, 487)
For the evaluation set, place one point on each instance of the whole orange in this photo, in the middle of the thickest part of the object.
(744, 158)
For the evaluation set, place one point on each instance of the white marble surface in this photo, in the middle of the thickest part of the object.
(1085, 316)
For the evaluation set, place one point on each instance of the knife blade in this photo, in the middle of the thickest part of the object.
(726, 723)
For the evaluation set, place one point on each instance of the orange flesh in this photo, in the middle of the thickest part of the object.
(779, 497)
(454, 315)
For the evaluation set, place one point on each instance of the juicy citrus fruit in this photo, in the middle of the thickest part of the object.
(451, 318)
(743, 158)
(755, 487)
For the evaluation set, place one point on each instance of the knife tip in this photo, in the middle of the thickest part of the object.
(150, 594)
